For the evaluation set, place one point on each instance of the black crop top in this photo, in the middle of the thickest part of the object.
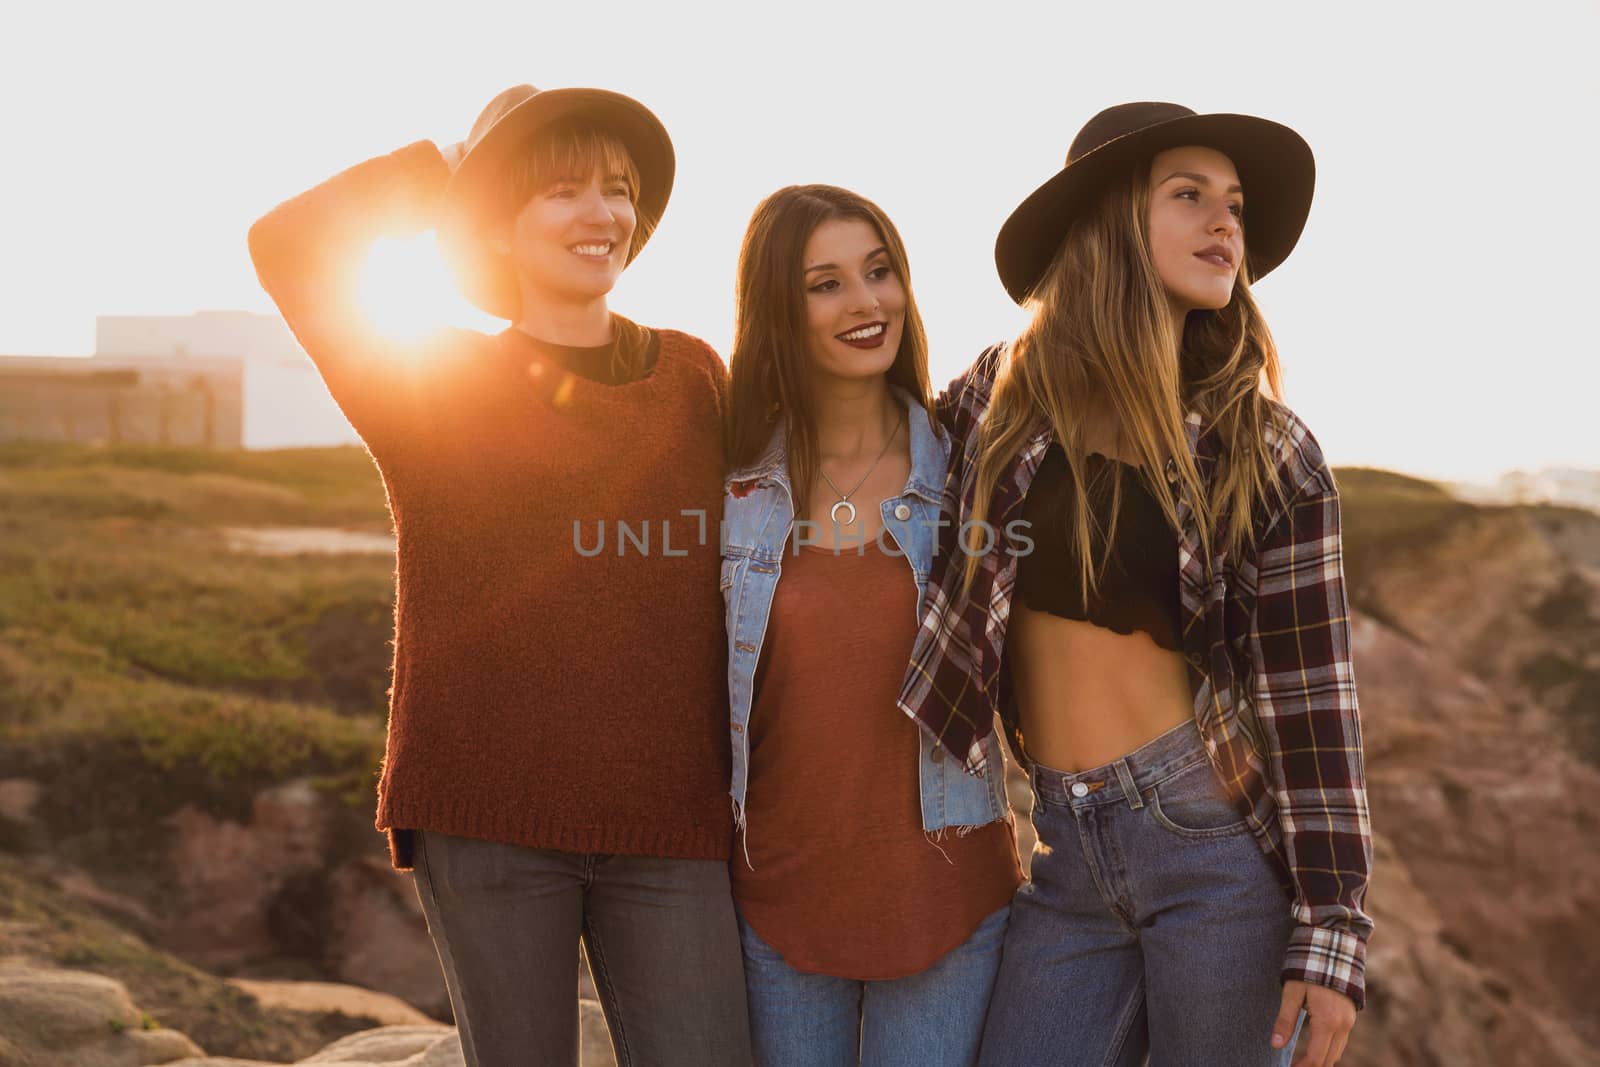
(1139, 589)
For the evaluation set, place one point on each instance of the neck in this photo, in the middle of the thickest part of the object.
(578, 324)
(854, 418)
(1180, 315)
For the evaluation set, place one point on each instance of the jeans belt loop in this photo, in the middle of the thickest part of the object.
(1125, 777)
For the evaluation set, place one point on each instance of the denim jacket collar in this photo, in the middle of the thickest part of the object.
(927, 455)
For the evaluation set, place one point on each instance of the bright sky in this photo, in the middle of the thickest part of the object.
(1430, 320)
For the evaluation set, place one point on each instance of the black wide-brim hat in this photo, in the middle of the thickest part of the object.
(502, 132)
(1274, 164)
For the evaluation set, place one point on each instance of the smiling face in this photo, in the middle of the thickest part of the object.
(571, 239)
(1196, 226)
(855, 300)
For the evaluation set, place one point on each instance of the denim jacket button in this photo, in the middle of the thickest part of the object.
(738, 729)
(937, 755)
(902, 512)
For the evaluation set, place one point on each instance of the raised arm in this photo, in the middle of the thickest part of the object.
(309, 251)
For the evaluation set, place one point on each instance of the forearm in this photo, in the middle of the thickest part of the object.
(309, 250)
(1306, 706)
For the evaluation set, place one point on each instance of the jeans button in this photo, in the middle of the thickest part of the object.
(1079, 789)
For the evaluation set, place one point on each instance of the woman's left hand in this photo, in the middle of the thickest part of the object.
(1330, 1016)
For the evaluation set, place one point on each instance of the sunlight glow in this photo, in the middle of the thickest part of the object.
(406, 291)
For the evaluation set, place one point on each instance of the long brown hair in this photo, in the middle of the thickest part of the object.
(1101, 332)
(770, 355)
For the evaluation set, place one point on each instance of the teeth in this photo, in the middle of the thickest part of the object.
(863, 333)
(593, 250)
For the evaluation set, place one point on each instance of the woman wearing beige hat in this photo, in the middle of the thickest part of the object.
(1170, 651)
(557, 752)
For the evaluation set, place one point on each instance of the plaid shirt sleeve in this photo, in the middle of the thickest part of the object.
(1305, 698)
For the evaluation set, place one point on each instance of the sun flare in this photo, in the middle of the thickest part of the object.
(407, 293)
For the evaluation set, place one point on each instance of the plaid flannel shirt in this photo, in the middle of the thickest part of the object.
(1266, 638)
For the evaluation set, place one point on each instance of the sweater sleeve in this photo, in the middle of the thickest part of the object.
(308, 253)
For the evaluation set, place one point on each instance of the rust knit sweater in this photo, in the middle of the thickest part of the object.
(543, 695)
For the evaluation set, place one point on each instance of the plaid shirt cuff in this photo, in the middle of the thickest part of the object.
(1333, 958)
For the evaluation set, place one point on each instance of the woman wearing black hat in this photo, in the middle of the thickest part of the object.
(1169, 648)
(557, 752)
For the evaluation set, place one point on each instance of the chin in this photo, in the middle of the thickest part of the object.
(1207, 299)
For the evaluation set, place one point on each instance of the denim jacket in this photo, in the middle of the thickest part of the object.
(758, 514)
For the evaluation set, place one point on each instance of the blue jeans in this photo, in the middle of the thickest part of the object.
(930, 1019)
(1153, 923)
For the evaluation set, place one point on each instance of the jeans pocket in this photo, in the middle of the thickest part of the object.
(1193, 805)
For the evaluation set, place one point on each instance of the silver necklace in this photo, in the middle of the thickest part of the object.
(844, 498)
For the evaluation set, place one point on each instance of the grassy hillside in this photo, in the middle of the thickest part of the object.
(143, 662)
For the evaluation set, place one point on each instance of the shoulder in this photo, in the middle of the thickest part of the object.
(1301, 467)
(699, 361)
(964, 401)
(980, 377)
(691, 349)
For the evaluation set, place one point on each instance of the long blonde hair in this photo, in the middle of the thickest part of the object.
(1101, 332)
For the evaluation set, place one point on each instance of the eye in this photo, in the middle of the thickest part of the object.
(1188, 194)
(881, 272)
(561, 192)
(1237, 209)
(827, 285)
(619, 190)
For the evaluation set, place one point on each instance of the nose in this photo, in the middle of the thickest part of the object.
(861, 297)
(1225, 223)
(596, 209)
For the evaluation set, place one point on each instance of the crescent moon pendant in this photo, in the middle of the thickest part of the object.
(849, 508)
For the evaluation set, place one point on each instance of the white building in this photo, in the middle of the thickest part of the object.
(285, 403)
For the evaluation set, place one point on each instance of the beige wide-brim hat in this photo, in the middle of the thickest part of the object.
(1274, 163)
(502, 131)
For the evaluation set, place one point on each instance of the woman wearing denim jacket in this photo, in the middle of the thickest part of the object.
(1172, 658)
(872, 876)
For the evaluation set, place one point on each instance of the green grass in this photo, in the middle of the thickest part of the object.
(144, 664)
(1387, 518)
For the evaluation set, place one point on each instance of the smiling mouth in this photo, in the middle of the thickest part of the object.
(865, 333)
(593, 250)
(871, 335)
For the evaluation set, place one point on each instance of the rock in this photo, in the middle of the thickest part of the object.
(228, 874)
(594, 1037)
(376, 935)
(423, 1046)
(61, 1018)
(18, 797)
(414, 1046)
(333, 997)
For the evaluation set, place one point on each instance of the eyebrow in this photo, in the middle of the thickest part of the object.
(1192, 176)
(880, 250)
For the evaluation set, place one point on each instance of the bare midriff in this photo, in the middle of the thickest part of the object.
(1087, 695)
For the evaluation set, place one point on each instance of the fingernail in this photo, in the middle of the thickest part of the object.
(1277, 1040)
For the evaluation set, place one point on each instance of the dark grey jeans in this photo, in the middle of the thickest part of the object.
(661, 937)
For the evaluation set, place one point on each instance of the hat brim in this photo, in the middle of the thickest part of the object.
(486, 278)
(1275, 168)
